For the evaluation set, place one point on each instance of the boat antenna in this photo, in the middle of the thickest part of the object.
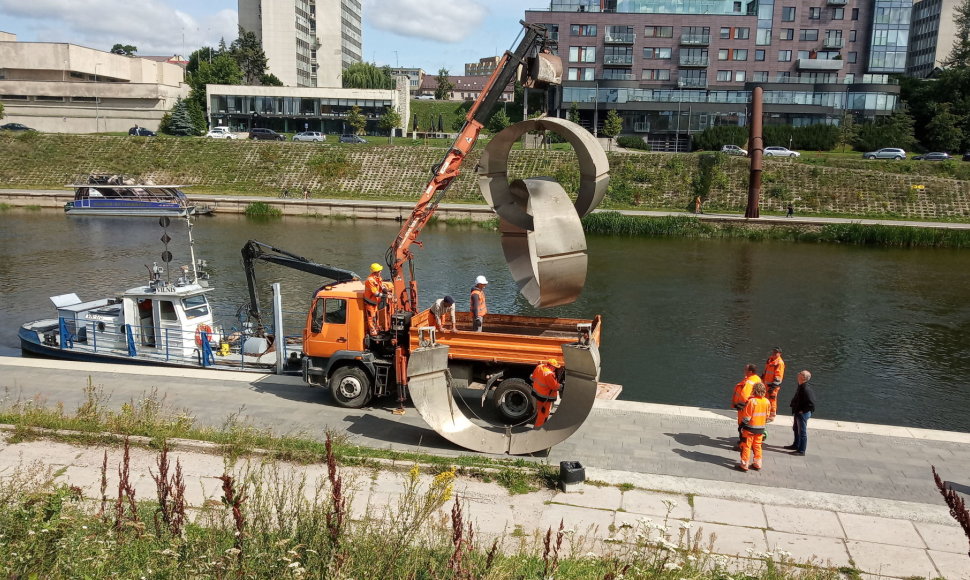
(188, 224)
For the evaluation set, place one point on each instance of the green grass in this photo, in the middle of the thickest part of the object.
(259, 209)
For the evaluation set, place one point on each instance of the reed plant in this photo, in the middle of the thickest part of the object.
(260, 209)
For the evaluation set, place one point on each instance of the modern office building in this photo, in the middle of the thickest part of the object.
(673, 67)
(932, 34)
(307, 42)
(65, 88)
(483, 68)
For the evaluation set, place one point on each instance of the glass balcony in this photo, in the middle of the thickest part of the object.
(833, 42)
(692, 83)
(837, 2)
(618, 60)
(695, 39)
(620, 37)
(694, 61)
(814, 64)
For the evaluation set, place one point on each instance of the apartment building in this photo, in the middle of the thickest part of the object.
(673, 67)
(483, 68)
(932, 34)
(307, 43)
(464, 88)
(65, 88)
(415, 76)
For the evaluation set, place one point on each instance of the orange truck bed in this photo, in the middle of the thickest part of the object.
(507, 338)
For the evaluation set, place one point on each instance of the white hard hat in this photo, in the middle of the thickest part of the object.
(481, 280)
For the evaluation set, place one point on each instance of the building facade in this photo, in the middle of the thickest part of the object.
(673, 67)
(463, 88)
(65, 88)
(483, 68)
(415, 76)
(307, 43)
(932, 35)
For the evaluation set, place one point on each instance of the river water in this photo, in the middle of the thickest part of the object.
(885, 332)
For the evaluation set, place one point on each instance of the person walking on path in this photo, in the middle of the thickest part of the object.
(306, 192)
(773, 375)
(441, 309)
(791, 210)
(754, 419)
(545, 388)
(742, 392)
(373, 292)
(478, 307)
(802, 407)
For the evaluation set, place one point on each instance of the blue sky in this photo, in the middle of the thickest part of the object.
(426, 33)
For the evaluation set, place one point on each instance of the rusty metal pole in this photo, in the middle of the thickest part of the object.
(756, 148)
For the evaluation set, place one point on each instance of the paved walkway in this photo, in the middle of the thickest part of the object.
(863, 495)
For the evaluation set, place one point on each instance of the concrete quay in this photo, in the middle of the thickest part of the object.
(863, 497)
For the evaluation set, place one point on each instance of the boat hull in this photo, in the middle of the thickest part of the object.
(128, 211)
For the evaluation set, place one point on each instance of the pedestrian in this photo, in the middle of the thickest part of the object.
(697, 204)
(772, 377)
(802, 407)
(742, 392)
(478, 307)
(791, 210)
(545, 388)
(373, 293)
(753, 424)
(306, 192)
(442, 309)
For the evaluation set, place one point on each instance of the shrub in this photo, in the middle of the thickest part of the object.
(631, 142)
(263, 210)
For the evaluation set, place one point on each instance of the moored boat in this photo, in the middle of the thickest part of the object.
(114, 195)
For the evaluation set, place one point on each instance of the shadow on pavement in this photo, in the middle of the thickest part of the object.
(707, 458)
(292, 392)
(393, 431)
(695, 439)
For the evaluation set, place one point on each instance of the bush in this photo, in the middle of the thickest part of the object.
(713, 138)
(631, 142)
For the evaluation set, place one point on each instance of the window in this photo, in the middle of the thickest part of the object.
(855, 14)
(335, 311)
(723, 76)
(760, 76)
(814, 13)
(852, 36)
(740, 54)
(582, 30)
(838, 14)
(655, 74)
(763, 37)
(195, 306)
(784, 56)
(808, 34)
(852, 57)
(582, 54)
(737, 7)
(759, 55)
(166, 311)
(787, 34)
(581, 74)
(659, 31)
(742, 33)
(739, 76)
(725, 32)
(723, 54)
(788, 14)
(656, 53)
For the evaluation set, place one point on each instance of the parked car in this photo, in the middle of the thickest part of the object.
(314, 136)
(885, 153)
(265, 135)
(966, 156)
(934, 156)
(141, 132)
(734, 150)
(425, 97)
(775, 151)
(15, 127)
(221, 133)
(352, 139)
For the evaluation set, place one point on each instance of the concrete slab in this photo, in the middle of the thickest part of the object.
(881, 530)
(591, 523)
(951, 566)
(886, 560)
(730, 512)
(944, 538)
(592, 496)
(733, 540)
(804, 521)
(804, 549)
(636, 501)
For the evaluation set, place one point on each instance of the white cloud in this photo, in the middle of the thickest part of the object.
(442, 20)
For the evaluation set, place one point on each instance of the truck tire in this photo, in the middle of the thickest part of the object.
(513, 401)
(350, 387)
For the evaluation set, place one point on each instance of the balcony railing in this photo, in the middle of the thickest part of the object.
(695, 39)
(833, 42)
(694, 61)
(692, 83)
(819, 64)
(618, 75)
(620, 37)
(837, 2)
(618, 60)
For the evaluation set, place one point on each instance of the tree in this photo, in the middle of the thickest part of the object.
(847, 130)
(612, 126)
(223, 70)
(943, 132)
(445, 86)
(959, 56)
(574, 113)
(124, 49)
(367, 75)
(1, 110)
(181, 123)
(270, 80)
(204, 54)
(893, 131)
(248, 53)
(197, 114)
(500, 120)
(356, 120)
(390, 121)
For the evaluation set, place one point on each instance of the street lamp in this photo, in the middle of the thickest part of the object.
(97, 100)
(596, 108)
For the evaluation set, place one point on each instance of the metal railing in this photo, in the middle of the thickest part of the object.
(695, 39)
(622, 60)
(694, 61)
(692, 83)
(833, 42)
(620, 37)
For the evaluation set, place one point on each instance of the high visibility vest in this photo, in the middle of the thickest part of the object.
(774, 371)
(373, 287)
(755, 415)
(742, 391)
(545, 387)
(482, 308)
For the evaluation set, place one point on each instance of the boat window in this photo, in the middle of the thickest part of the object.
(195, 306)
(166, 310)
(336, 311)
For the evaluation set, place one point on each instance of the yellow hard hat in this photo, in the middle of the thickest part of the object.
(553, 362)
(375, 267)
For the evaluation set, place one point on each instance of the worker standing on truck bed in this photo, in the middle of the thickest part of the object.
(545, 388)
(441, 309)
(773, 375)
(373, 293)
(478, 307)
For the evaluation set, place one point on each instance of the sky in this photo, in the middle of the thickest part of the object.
(429, 34)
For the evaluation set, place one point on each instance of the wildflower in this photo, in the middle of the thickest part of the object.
(612, 540)
(293, 564)
(232, 551)
(671, 504)
(31, 533)
(685, 525)
(84, 527)
(671, 566)
(626, 525)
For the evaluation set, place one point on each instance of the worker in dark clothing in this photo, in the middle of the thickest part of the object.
(478, 307)
(802, 407)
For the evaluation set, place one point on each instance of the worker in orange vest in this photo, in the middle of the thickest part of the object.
(373, 293)
(742, 392)
(545, 388)
(754, 418)
(478, 307)
(773, 375)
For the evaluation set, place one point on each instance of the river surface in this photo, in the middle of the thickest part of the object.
(885, 332)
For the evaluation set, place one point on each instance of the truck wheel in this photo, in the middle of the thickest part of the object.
(513, 400)
(350, 387)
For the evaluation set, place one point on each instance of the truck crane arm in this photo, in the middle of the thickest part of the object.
(535, 42)
(254, 250)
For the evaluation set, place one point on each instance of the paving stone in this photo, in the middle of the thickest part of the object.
(943, 538)
(810, 549)
(887, 560)
(637, 501)
(804, 521)
(592, 496)
(881, 530)
(951, 566)
(732, 540)
(725, 511)
(586, 522)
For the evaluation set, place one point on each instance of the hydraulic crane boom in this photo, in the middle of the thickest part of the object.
(535, 42)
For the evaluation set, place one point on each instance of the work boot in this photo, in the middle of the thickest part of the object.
(741, 467)
(756, 466)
